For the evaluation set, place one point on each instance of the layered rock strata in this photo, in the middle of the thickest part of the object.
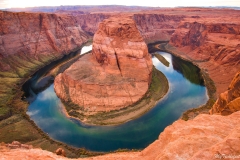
(157, 27)
(116, 74)
(36, 36)
(228, 101)
(213, 46)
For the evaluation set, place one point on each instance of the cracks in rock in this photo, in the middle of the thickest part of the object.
(128, 94)
(107, 95)
(40, 25)
(82, 95)
(102, 96)
(119, 68)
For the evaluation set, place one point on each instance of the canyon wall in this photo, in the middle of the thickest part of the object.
(157, 27)
(116, 74)
(213, 46)
(89, 22)
(228, 101)
(209, 38)
(28, 37)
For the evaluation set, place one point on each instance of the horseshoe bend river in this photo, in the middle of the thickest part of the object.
(186, 90)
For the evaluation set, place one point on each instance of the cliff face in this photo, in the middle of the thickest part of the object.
(205, 137)
(35, 36)
(214, 46)
(157, 27)
(115, 75)
(90, 22)
(229, 101)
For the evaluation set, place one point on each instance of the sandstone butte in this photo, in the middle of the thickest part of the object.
(115, 75)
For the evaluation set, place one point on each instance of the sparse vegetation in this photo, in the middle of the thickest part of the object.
(190, 114)
(158, 88)
(161, 59)
(15, 124)
(211, 89)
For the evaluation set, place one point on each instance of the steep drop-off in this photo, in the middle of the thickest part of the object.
(115, 75)
(157, 27)
(205, 137)
(213, 46)
(208, 37)
(36, 36)
(228, 101)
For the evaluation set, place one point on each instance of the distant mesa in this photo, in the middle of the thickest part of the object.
(115, 75)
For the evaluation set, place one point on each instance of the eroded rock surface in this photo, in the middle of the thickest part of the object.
(229, 101)
(116, 74)
(205, 137)
(157, 27)
(35, 37)
(213, 46)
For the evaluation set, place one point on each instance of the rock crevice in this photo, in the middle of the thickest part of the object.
(115, 75)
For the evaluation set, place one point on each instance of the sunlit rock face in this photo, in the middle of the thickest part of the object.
(35, 37)
(116, 74)
(212, 45)
(228, 101)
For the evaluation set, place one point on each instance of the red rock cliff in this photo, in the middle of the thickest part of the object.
(35, 36)
(115, 75)
(213, 46)
(229, 101)
(157, 27)
(90, 22)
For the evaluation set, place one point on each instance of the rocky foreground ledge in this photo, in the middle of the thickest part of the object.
(115, 75)
(205, 137)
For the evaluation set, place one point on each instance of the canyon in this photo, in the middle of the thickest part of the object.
(207, 37)
(115, 75)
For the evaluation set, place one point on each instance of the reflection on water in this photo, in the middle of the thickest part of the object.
(85, 49)
(186, 69)
(183, 94)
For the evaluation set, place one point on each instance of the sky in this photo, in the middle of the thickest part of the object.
(152, 3)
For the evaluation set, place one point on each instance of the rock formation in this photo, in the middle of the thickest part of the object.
(115, 75)
(229, 101)
(208, 37)
(90, 22)
(60, 152)
(205, 137)
(157, 27)
(36, 36)
(213, 46)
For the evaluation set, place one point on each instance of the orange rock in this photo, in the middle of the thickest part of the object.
(213, 46)
(115, 75)
(205, 137)
(60, 152)
(157, 26)
(229, 101)
(37, 34)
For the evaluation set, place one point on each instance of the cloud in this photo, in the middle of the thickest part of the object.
(3, 3)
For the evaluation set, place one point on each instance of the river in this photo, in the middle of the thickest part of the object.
(186, 90)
